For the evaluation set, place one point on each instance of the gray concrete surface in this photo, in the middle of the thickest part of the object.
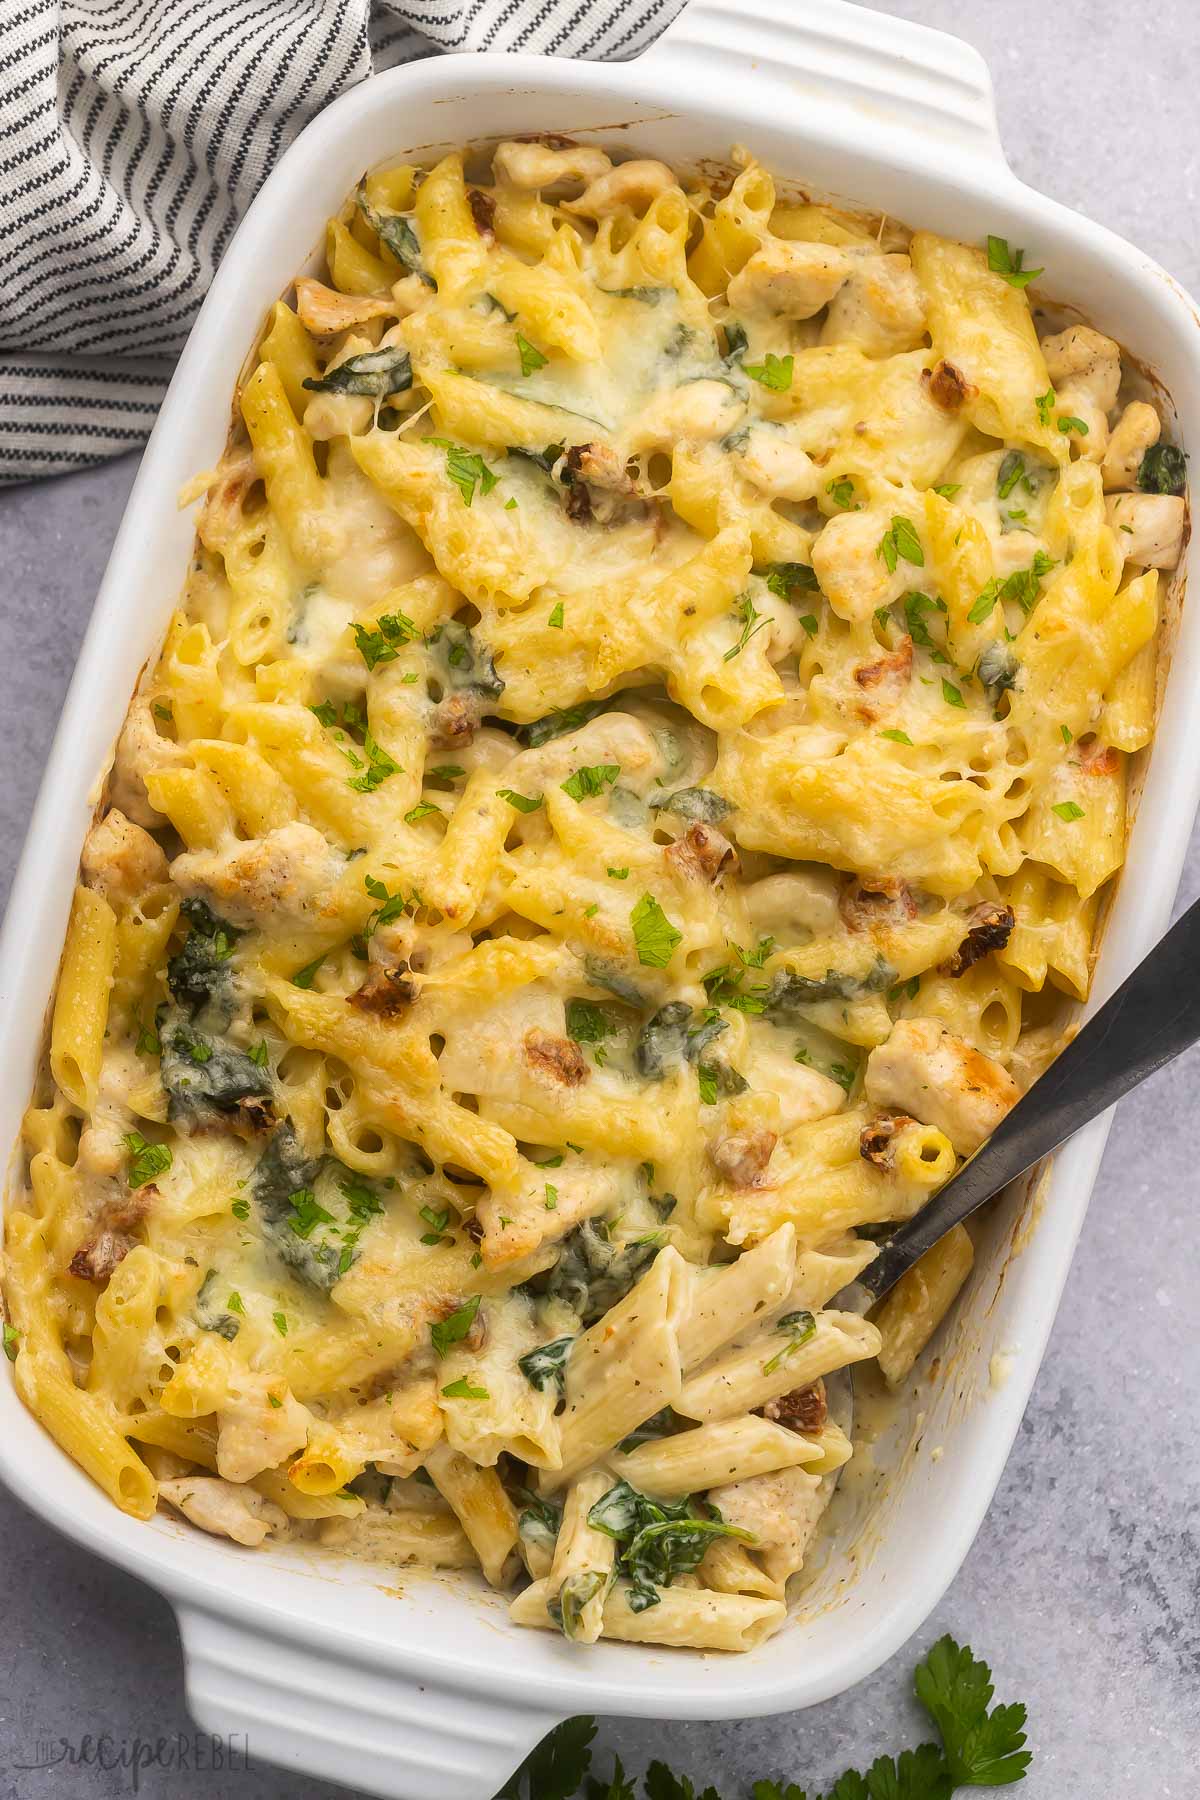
(1081, 1589)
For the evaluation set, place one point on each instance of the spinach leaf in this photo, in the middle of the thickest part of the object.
(541, 459)
(698, 805)
(662, 1042)
(592, 1273)
(736, 341)
(608, 975)
(649, 296)
(669, 1038)
(313, 1209)
(209, 1315)
(374, 374)
(628, 808)
(199, 975)
(1162, 470)
(467, 664)
(400, 236)
(566, 1607)
(588, 1023)
(998, 668)
(557, 723)
(659, 1425)
(208, 1079)
(538, 1520)
(398, 233)
(657, 1539)
(701, 1036)
(547, 1365)
(790, 993)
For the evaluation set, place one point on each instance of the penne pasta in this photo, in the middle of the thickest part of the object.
(620, 811)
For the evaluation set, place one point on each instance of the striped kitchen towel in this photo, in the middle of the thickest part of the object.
(134, 134)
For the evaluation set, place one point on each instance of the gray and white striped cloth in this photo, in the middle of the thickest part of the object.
(134, 134)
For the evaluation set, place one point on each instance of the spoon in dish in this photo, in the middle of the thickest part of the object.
(1151, 1019)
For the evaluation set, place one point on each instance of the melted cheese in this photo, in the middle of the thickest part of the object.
(657, 675)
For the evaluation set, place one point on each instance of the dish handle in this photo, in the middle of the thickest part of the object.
(866, 71)
(275, 1700)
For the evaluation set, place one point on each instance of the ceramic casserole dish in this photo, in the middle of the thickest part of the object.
(423, 1691)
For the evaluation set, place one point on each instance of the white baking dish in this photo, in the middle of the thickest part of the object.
(425, 1692)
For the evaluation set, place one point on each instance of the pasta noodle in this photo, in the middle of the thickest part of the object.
(620, 809)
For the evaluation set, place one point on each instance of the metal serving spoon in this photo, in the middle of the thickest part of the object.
(1151, 1019)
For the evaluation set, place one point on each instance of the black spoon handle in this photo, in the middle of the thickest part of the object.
(1152, 1017)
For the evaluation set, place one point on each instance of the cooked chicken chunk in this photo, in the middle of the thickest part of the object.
(285, 872)
(884, 681)
(778, 467)
(1085, 370)
(323, 310)
(599, 465)
(925, 1070)
(258, 1427)
(600, 487)
(1138, 428)
(141, 750)
(102, 1148)
(698, 412)
(516, 1220)
(802, 900)
(854, 577)
(880, 309)
(794, 280)
(1148, 527)
(803, 1093)
(782, 1509)
(613, 737)
(218, 1506)
(120, 859)
(1084, 362)
(230, 490)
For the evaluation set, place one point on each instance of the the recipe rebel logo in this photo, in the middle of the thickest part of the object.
(206, 1756)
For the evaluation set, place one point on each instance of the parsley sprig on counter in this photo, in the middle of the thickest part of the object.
(979, 1748)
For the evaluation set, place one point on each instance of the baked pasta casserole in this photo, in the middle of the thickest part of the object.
(620, 811)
